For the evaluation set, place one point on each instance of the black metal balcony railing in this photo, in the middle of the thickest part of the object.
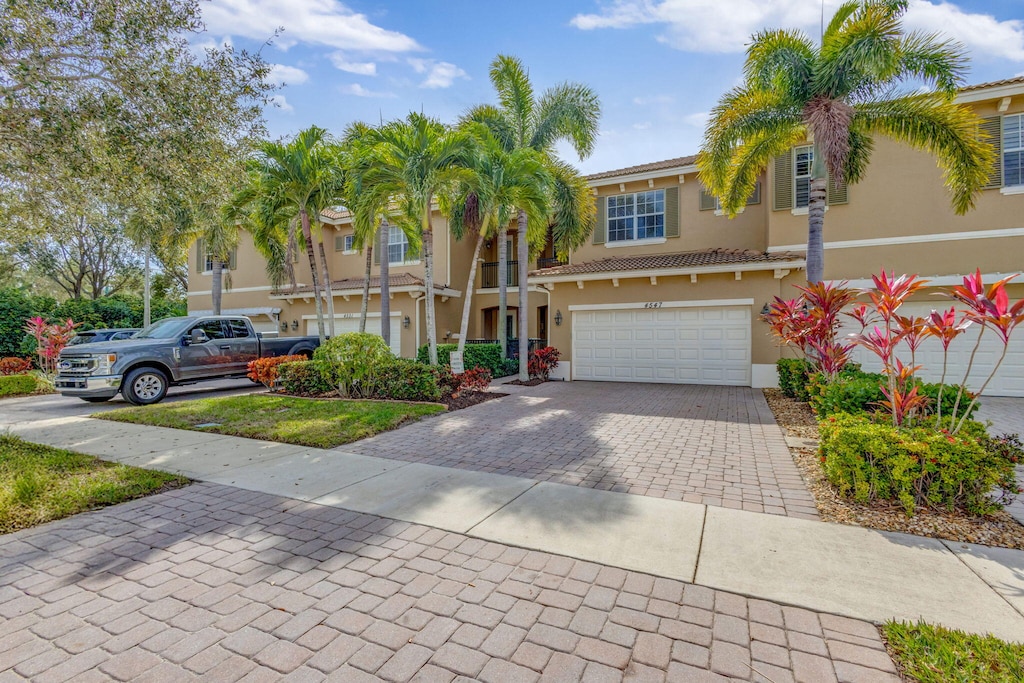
(489, 274)
(548, 262)
(512, 345)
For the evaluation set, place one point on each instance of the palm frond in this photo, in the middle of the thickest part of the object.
(937, 62)
(781, 61)
(568, 111)
(512, 83)
(866, 47)
(749, 160)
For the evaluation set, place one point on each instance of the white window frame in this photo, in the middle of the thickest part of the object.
(208, 262)
(1017, 147)
(797, 177)
(397, 238)
(631, 216)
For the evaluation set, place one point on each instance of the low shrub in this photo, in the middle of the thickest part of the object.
(14, 365)
(304, 378)
(403, 379)
(265, 370)
(349, 359)
(17, 385)
(475, 355)
(542, 362)
(917, 466)
(861, 392)
(474, 379)
(793, 375)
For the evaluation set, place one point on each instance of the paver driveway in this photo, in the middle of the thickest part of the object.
(212, 583)
(1007, 417)
(703, 444)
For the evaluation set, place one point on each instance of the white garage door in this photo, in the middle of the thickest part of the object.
(345, 324)
(1008, 382)
(670, 345)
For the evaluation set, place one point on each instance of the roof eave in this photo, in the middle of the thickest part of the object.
(993, 92)
(668, 272)
(395, 289)
(644, 175)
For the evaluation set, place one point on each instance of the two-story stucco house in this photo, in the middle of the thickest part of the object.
(670, 290)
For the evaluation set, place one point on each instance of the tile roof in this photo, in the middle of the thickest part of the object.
(335, 214)
(682, 260)
(993, 84)
(644, 168)
(356, 283)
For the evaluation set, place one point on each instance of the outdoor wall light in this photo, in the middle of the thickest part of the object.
(295, 324)
(764, 311)
(558, 318)
(406, 322)
(284, 325)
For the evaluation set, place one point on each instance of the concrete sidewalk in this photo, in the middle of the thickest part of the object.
(843, 570)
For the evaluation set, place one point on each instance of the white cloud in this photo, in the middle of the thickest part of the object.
(318, 22)
(726, 25)
(697, 120)
(282, 74)
(360, 91)
(439, 74)
(340, 61)
(281, 103)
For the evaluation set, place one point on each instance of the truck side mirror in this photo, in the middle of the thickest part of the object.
(198, 336)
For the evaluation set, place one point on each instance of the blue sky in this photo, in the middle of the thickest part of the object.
(657, 65)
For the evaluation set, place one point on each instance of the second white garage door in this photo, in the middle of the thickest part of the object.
(349, 322)
(690, 345)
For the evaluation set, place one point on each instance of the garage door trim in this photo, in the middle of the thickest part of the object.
(663, 304)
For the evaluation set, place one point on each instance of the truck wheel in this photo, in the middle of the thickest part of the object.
(95, 399)
(144, 386)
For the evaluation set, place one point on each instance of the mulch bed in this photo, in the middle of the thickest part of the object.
(798, 420)
(528, 383)
(470, 398)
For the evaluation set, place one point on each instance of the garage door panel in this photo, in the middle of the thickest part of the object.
(343, 325)
(673, 345)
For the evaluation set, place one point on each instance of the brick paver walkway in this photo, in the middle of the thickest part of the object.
(703, 444)
(1007, 417)
(214, 583)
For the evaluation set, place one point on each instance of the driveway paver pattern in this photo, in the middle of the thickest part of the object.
(702, 444)
(215, 583)
(1007, 417)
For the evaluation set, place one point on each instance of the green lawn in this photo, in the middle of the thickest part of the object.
(288, 419)
(39, 484)
(932, 654)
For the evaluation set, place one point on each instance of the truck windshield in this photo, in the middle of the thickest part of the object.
(168, 328)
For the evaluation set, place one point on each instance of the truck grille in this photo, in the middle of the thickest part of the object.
(76, 366)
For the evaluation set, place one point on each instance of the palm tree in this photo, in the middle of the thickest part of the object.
(569, 112)
(838, 95)
(301, 177)
(485, 202)
(409, 163)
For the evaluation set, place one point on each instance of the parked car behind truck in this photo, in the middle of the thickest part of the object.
(170, 352)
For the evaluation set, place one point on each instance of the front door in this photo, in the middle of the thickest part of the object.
(542, 323)
(212, 357)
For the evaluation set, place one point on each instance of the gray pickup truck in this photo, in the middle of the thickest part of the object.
(169, 352)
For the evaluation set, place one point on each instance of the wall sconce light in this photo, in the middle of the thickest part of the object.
(558, 318)
(406, 322)
(284, 325)
(764, 311)
(295, 324)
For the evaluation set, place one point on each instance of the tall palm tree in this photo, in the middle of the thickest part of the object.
(838, 95)
(409, 163)
(501, 182)
(301, 177)
(569, 112)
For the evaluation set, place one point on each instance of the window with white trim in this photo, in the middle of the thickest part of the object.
(636, 216)
(344, 242)
(803, 161)
(398, 245)
(1013, 150)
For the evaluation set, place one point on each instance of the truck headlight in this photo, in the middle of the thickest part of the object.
(105, 362)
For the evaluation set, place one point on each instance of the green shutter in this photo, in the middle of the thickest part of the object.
(339, 243)
(992, 127)
(376, 252)
(601, 229)
(200, 256)
(672, 211)
(755, 198)
(707, 200)
(838, 193)
(783, 195)
(233, 259)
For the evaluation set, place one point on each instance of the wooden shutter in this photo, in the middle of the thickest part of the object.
(707, 200)
(339, 243)
(233, 259)
(783, 172)
(200, 256)
(601, 229)
(838, 193)
(376, 253)
(755, 198)
(992, 127)
(672, 211)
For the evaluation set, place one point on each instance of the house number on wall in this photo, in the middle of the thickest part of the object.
(653, 304)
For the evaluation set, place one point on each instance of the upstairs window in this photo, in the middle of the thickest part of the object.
(1013, 150)
(398, 245)
(344, 242)
(803, 160)
(636, 216)
(205, 260)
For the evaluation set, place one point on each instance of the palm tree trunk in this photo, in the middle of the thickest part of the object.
(307, 235)
(290, 256)
(523, 256)
(428, 282)
(147, 316)
(385, 285)
(366, 287)
(818, 195)
(470, 283)
(328, 288)
(217, 285)
(503, 289)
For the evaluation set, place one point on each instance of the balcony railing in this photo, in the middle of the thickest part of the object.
(512, 345)
(548, 263)
(489, 274)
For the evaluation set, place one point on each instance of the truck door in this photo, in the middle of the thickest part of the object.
(244, 345)
(207, 358)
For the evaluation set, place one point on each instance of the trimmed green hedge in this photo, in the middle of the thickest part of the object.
(870, 461)
(793, 374)
(304, 378)
(475, 356)
(403, 379)
(861, 392)
(17, 385)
